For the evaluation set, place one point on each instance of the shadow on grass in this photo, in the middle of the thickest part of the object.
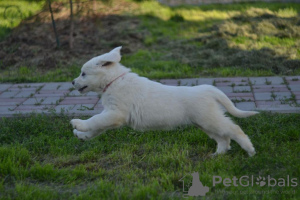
(4, 31)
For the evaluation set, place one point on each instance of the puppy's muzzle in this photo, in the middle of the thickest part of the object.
(81, 89)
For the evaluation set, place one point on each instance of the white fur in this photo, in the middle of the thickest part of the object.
(143, 104)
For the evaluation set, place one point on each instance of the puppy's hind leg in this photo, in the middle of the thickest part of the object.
(222, 129)
(237, 134)
(226, 128)
(223, 143)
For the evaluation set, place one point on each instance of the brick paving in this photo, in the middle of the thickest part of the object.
(275, 94)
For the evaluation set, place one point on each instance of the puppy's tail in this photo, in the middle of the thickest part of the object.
(227, 103)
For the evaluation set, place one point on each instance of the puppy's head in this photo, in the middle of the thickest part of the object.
(97, 72)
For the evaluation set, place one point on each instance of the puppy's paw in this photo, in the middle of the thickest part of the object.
(213, 155)
(80, 125)
(216, 154)
(252, 153)
(81, 135)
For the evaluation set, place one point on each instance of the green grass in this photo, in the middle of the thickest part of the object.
(34, 74)
(158, 66)
(13, 12)
(41, 159)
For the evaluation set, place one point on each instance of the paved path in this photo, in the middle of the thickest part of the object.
(276, 94)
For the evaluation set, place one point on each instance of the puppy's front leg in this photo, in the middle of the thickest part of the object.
(80, 125)
(84, 135)
(98, 123)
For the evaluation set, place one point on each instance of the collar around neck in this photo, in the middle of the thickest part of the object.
(104, 90)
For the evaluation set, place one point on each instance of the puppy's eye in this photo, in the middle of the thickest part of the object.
(83, 74)
(106, 64)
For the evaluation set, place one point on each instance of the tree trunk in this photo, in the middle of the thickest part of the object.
(71, 39)
(53, 24)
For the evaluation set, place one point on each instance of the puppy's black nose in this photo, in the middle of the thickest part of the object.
(73, 82)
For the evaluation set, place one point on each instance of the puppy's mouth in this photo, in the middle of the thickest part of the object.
(81, 89)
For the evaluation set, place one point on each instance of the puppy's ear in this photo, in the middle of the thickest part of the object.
(102, 63)
(117, 50)
(112, 56)
(106, 63)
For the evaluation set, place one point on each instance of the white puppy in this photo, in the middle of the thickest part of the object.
(135, 101)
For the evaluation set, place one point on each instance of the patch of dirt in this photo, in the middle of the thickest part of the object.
(33, 43)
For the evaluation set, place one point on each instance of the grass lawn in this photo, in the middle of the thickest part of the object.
(41, 159)
(247, 39)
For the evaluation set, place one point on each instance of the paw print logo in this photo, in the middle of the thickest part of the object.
(261, 181)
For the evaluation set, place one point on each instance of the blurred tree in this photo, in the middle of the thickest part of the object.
(71, 35)
(53, 24)
(71, 39)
